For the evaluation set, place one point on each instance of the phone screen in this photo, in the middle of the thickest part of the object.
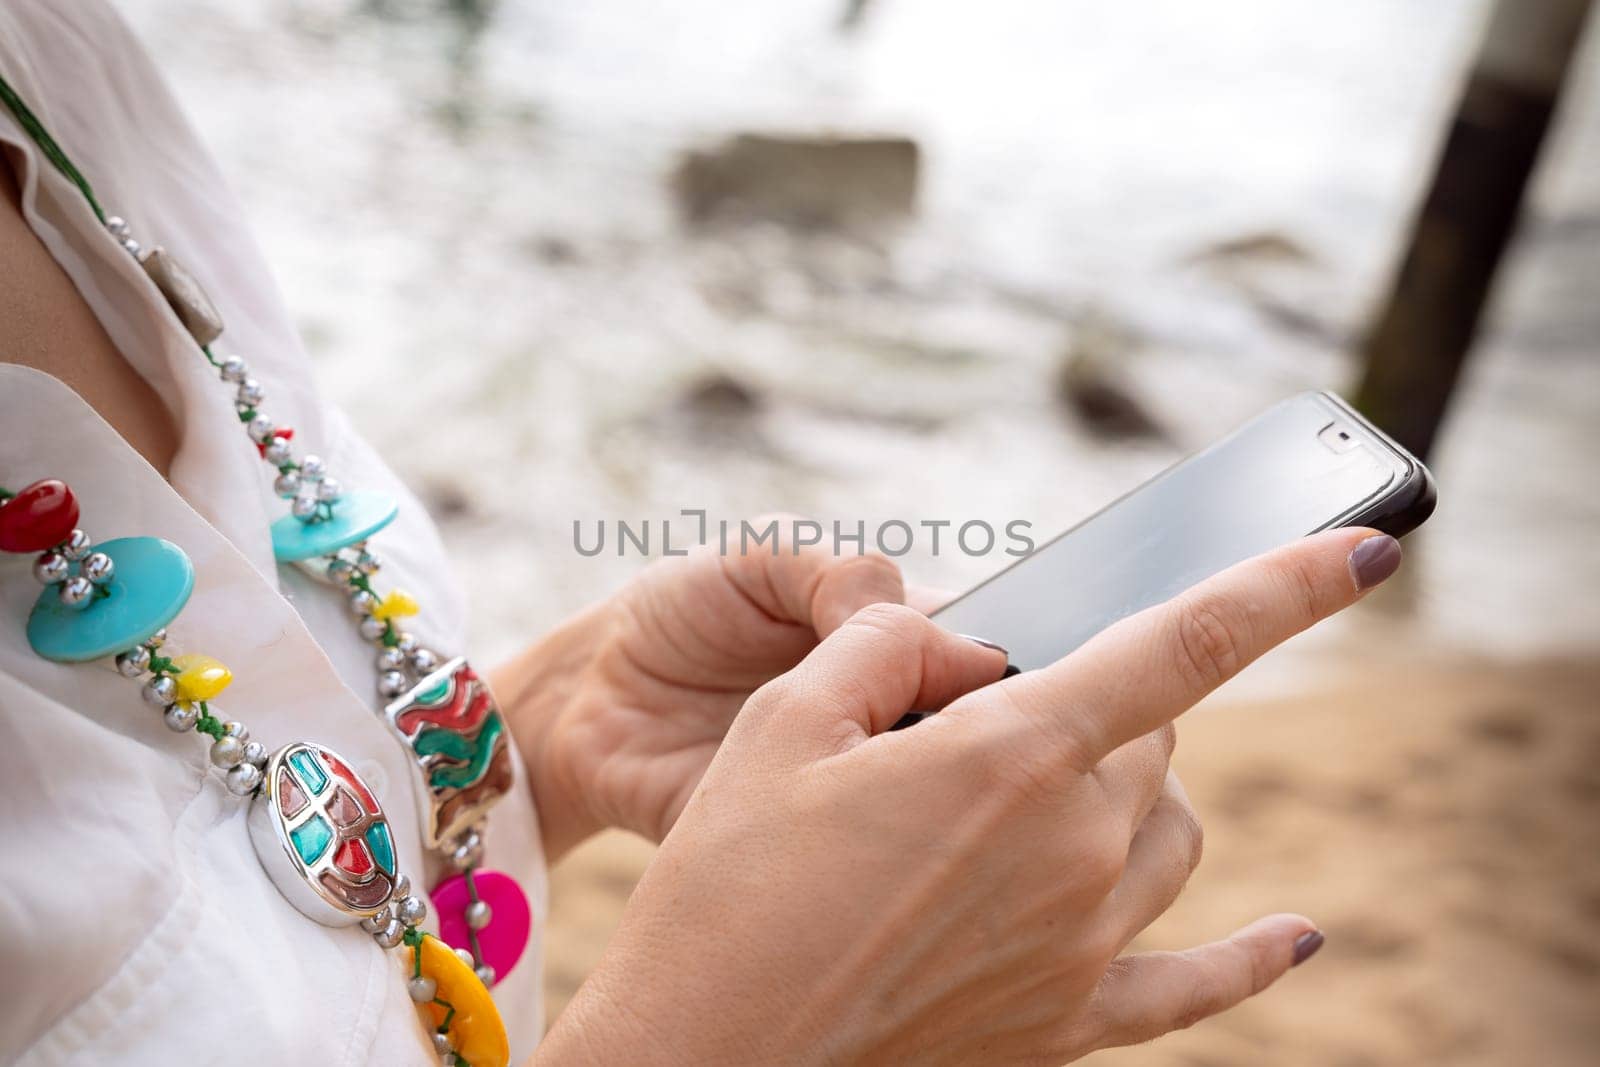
(1304, 465)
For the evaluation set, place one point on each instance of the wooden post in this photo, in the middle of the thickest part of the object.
(1416, 348)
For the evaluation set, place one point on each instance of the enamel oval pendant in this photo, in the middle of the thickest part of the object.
(320, 834)
(460, 750)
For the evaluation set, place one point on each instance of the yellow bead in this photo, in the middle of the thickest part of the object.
(397, 603)
(200, 677)
(476, 1031)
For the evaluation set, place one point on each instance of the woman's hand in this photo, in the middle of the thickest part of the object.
(619, 712)
(961, 891)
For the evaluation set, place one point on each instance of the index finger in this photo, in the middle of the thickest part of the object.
(1149, 668)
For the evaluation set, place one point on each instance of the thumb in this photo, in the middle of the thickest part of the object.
(886, 660)
(1144, 996)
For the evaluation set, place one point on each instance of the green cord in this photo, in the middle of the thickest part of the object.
(47, 144)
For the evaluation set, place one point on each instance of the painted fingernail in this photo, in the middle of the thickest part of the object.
(1374, 560)
(1306, 945)
(986, 644)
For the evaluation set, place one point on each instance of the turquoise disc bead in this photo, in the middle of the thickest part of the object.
(150, 585)
(356, 517)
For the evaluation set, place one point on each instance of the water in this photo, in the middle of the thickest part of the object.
(468, 210)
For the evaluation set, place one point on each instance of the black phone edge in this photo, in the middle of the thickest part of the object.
(1404, 508)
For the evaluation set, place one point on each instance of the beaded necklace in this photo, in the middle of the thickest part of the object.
(317, 828)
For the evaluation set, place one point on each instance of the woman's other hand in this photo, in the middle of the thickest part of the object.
(961, 891)
(619, 712)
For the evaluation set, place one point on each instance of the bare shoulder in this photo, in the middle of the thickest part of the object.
(50, 327)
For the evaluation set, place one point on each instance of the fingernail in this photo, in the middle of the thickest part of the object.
(1306, 945)
(986, 644)
(1374, 560)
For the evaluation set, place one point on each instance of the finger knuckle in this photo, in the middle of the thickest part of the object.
(1103, 860)
(1192, 832)
(1208, 633)
(1306, 590)
(760, 704)
(1167, 735)
(1206, 991)
(894, 619)
(871, 565)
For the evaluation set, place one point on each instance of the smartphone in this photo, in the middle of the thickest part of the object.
(1309, 463)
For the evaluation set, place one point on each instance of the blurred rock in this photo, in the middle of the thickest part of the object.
(1091, 387)
(1269, 246)
(446, 501)
(823, 181)
(1281, 278)
(720, 396)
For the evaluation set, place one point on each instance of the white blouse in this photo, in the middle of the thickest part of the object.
(136, 925)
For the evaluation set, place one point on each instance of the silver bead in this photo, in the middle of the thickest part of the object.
(244, 779)
(442, 1045)
(156, 640)
(362, 602)
(181, 717)
(485, 974)
(448, 1060)
(286, 484)
(391, 659)
(132, 247)
(374, 924)
(402, 886)
(76, 546)
(133, 662)
(467, 855)
(391, 935)
(423, 661)
(391, 683)
(227, 752)
(76, 592)
(260, 428)
(255, 754)
(50, 568)
(479, 914)
(373, 629)
(405, 642)
(329, 490)
(313, 468)
(412, 910)
(340, 570)
(422, 989)
(368, 564)
(465, 956)
(117, 225)
(278, 451)
(98, 568)
(304, 507)
(251, 393)
(233, 369)
(236, 729)
(160, 692)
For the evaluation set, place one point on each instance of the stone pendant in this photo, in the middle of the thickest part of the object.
(187, 299)
(322, 837)
(460, 749)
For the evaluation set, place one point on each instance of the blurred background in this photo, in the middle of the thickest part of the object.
(880, 259)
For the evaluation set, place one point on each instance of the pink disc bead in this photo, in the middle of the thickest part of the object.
(510, 921)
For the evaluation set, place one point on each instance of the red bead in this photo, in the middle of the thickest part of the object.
(285, 432)
(39, 517)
